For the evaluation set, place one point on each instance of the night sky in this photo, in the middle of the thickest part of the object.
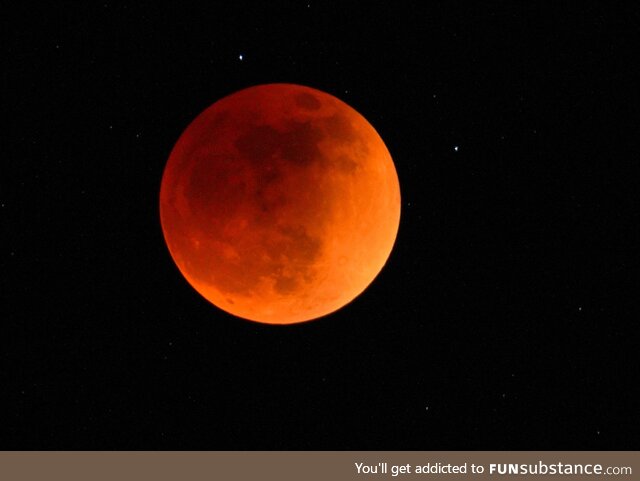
(504, 318)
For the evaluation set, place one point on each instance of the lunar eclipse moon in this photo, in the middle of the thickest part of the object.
(280, 203)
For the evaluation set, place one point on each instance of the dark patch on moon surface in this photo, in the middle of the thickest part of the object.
(308, 101)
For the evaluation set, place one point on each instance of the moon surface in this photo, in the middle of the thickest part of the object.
(280, 203)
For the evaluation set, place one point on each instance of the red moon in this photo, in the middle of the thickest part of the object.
(280, 203)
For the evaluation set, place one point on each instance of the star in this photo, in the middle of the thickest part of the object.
(456, 148)
(241, 57)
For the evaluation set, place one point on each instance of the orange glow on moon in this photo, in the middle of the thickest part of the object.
(280, 203)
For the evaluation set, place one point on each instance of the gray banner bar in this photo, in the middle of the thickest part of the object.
(320, 465)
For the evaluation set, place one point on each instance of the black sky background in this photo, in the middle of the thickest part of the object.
(505, 318)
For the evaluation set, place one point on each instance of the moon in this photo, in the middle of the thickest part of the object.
(280, 204)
